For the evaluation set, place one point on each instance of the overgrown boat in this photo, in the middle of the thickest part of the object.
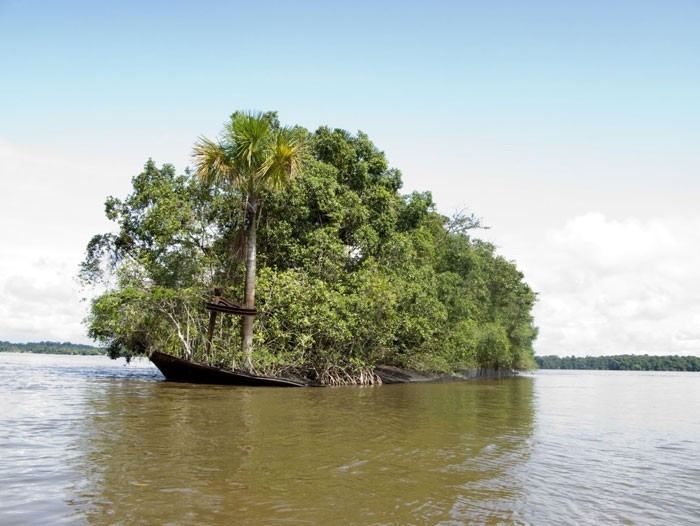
(180, 370)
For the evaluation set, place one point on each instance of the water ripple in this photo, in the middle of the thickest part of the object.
(88, 441)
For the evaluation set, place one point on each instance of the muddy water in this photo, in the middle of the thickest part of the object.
(88, 441)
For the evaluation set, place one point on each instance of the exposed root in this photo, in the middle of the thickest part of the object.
(335, 375)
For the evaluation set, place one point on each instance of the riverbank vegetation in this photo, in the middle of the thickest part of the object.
(350, 272)
(51, 348)
(623, 362)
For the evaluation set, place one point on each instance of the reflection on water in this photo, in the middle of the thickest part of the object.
(90, 441)
(397, 454)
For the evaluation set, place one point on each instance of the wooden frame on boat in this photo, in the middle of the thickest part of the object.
(180, 370)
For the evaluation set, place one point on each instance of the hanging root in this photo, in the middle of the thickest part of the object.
(335, 375)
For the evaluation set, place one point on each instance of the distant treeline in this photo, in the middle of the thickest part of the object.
(50, 348)
(623, 362)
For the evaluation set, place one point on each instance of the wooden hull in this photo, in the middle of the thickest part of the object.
(178, 370)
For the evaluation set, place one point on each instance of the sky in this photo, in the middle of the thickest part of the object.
(571, 128)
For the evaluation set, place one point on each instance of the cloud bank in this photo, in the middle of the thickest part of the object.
(51, 203)
(611, 286)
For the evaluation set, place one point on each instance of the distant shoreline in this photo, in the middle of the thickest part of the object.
(52, 348)
(621, 362)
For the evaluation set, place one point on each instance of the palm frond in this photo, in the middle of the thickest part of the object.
(254, 154)
(250, 132)
(211, 161)
(240, 245)
(284, 160)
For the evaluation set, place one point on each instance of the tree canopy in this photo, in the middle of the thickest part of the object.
(351, 273)
(50, 348)
(620, 362)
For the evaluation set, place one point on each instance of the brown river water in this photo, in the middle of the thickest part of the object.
(86, 440)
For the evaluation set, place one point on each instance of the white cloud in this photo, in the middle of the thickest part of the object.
(618, 286)
(40, 304)
(51, 203)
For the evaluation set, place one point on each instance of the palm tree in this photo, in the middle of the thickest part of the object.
(254, 155)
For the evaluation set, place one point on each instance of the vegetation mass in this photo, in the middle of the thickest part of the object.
(622, 362)
(50, 348)
(347, 273)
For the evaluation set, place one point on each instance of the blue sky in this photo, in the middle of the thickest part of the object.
(570, 127)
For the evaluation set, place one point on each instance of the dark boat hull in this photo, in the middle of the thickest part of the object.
(178, 370)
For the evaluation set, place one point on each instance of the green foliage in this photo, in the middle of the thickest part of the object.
(351, 273)
(170, 229)
(254, 155)
(51, 348)
(623, 362)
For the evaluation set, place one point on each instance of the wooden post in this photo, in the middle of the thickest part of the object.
(212, 322)
(210, 333)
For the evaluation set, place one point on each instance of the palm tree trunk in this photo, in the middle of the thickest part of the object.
(250, 263)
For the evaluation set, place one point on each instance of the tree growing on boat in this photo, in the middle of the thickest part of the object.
(254, 156)
(351, 273)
